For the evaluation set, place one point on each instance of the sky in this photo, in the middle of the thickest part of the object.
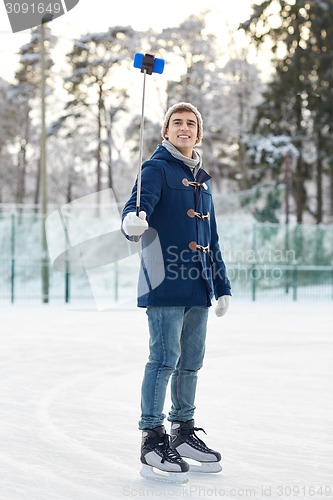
(141, 15)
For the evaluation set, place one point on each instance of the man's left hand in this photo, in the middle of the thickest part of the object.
(222, 305)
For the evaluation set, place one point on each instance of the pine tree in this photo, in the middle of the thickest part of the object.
(297, 100)
(94, 92)
(9, 119)
(24, 93)
(225, 93)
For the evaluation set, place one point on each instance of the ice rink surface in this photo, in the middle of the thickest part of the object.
(70, 397)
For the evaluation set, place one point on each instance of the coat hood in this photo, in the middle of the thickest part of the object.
(161, 153)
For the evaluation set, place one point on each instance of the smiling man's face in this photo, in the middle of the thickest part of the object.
(182, 131)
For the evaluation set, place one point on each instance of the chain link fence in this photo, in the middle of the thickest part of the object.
(265, 262)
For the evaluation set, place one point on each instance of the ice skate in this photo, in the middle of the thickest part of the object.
(186, 442)
(160, 461)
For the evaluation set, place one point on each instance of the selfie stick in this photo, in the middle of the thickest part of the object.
(148, 65)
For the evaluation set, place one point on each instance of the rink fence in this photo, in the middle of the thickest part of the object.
(264, 262)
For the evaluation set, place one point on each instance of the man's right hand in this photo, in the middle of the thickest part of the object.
(134, 225)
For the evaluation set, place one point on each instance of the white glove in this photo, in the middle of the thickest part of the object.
(222, 305)
(134, 225)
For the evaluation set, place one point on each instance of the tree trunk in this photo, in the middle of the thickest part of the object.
(331, 189)
(37, 188)
(69, 189)
(319, 180)
(299, 190)
(22, 160)
(108, 125)
(99, 136)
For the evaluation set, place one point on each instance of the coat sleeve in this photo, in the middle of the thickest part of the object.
(220, 279)
(152, 178)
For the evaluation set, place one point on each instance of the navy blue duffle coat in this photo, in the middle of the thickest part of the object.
(180, 210)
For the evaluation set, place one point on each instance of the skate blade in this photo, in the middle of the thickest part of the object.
(148, 472)
(205, 467)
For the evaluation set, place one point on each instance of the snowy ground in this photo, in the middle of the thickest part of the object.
(69, 403)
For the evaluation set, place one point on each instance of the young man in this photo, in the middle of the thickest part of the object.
(176, 202)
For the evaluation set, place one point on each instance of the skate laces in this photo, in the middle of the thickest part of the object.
(167, 452)
(195, 440)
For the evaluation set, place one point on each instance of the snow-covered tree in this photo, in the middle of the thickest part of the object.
(225, 92)
(9, 119)
(24, 94)
(272, 161)
(97, 90)
(298, 99)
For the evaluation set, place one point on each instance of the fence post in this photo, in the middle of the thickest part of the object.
(67, 282)
(253, 268)
(295, 279)
(332, 261)
(45, 275)
(253, 276)
(287, 258)
(12, 252)
(116, 281)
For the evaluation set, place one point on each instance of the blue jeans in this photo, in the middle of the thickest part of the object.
(177, 348)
